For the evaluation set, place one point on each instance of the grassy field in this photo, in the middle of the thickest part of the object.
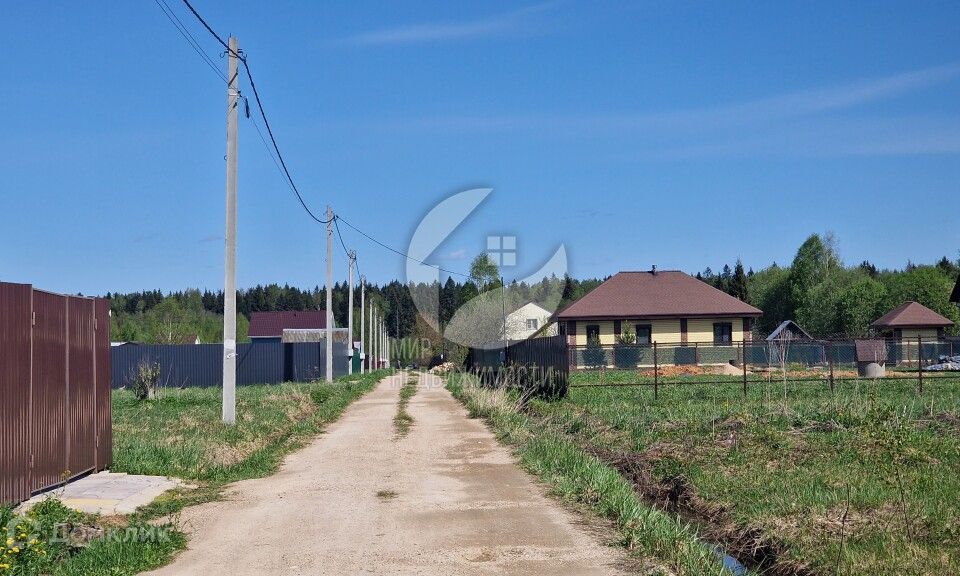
(180, 434)
(864, 480)
(662, 543)
(38, 543)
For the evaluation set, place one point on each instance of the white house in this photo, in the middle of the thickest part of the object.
(527, 320)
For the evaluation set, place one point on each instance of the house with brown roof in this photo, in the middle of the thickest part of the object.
(271, 325)
(912, 320)
(664, 307)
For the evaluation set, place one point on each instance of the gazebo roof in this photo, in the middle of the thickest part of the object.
(912, 315)
(793, 327)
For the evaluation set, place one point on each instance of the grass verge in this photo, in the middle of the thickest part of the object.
(54, 540)
(180, 433)
(859, 480)
(403, 420)
(662, 541)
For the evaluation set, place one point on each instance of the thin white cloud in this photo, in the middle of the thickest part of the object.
(698, 120)
(459, 254)
(809, 122)
(509, 22)
(817, 138)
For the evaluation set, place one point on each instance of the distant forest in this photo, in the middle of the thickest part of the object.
(817, 290)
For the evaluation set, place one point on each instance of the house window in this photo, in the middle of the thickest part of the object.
(593, 333)
(723, 333)
(644, 334)
(532, 323)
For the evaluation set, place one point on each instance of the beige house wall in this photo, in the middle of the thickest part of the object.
(914, 333)
(666, 331)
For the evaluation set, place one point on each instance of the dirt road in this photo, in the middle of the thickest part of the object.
(446, 499)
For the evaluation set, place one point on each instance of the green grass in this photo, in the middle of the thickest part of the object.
(665, 544)
(403, 420)
(862, 480)
(35, 545)
(180, 433)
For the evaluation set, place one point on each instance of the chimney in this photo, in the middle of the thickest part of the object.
(653, 270)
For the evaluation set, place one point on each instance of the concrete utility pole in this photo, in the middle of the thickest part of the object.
(329, 370)
(363, 288)
(353, 260)
(230, 241)
(373, 340)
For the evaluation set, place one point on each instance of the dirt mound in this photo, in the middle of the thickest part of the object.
(667, 371)
(444, 368)
(728, 370)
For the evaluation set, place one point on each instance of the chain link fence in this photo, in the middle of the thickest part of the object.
(796, 360)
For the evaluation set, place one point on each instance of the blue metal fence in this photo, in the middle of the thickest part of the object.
(201, 365)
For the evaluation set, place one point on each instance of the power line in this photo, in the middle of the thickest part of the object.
(178, 24)
(256, 95)
(283, 164)
(207, 26)
(344, 244)
(394, 250)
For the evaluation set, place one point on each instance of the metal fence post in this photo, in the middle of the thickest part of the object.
(830, 358)
(743, 362)
(656, 373)
(920, 364)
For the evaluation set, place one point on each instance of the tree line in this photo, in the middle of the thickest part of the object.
(827, 298)
(819, 292)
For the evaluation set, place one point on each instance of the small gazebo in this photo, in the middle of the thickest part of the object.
(912, 321)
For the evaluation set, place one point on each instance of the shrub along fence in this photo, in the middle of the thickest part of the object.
(55, 419)
(201, 365)
(537, 365)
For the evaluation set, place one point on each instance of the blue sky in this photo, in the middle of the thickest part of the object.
(684, 134)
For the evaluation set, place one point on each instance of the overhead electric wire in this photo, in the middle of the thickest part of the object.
(182, 29)
(256, 95)
(281, 164)
(344, 244)
(394, 250)
(207, 26)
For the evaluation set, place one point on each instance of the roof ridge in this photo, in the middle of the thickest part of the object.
(665, 293)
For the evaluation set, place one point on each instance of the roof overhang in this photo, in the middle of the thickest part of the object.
(561, 316)
(911, 326)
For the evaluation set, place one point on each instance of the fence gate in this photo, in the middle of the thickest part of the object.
(539, 365)
(55, 417)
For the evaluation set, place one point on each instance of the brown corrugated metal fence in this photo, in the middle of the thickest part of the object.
(55, 418)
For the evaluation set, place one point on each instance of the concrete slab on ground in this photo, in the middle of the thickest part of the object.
(108, 493)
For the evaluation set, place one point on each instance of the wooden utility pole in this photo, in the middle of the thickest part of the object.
(230, 241)
(353, 258)
(363, 288)
(329, 368)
